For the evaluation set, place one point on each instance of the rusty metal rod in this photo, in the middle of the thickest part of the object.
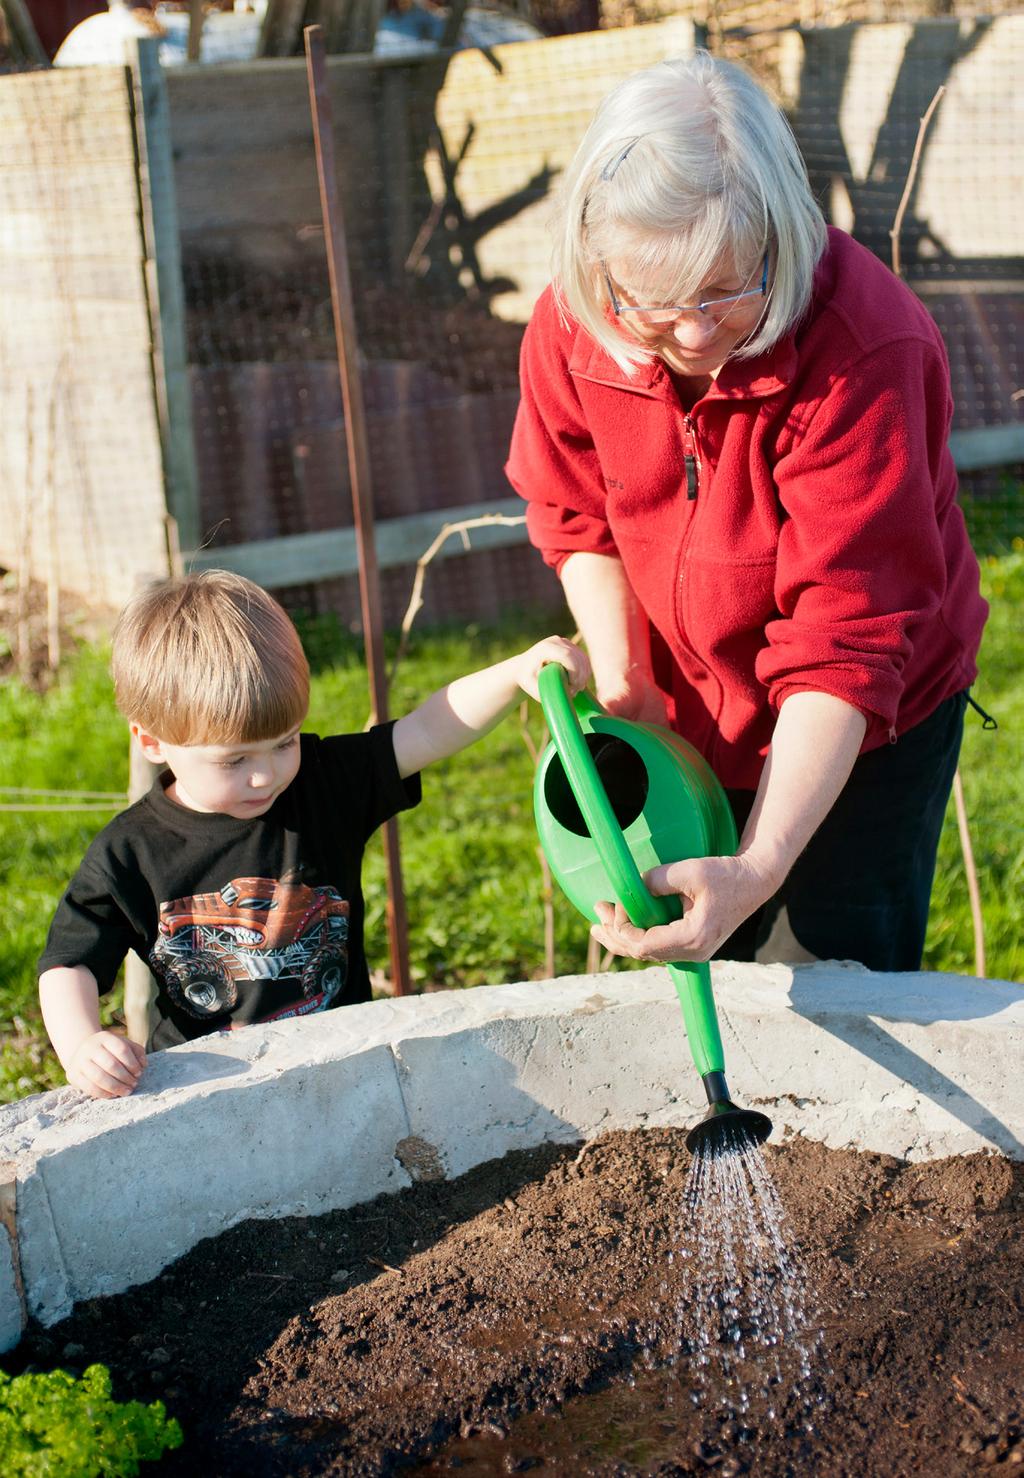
(358, 463)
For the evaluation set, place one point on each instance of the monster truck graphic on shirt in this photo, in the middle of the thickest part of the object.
(253, 929)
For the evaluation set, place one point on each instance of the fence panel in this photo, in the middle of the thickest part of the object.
(81, 471)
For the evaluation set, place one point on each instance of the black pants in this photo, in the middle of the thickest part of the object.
(862, 887)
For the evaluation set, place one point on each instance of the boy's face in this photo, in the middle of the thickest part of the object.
(239, 780)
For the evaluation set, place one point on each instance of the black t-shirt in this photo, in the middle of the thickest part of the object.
(239, 921)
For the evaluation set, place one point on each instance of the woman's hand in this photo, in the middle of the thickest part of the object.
(632, 694)
(717, 894)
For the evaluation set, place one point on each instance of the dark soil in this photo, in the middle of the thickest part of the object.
(504, 1320)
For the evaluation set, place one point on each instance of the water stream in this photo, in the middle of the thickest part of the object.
(747, 1337)
(734, 1349)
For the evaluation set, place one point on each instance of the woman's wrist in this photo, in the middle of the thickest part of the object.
(621, 674)
(768, 865)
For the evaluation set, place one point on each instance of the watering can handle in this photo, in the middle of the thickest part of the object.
(691, 980)
(624, 878)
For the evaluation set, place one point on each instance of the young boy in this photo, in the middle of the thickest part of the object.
(238, 876)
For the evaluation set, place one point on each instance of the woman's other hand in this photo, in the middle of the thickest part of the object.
(717, 894)
(633, 694)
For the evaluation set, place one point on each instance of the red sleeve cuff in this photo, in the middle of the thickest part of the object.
(879, 725)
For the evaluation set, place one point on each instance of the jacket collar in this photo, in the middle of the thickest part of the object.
(740, 379)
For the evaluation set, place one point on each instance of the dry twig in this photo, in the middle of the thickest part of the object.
(915, 159)
(448, 530)
(960, 1392)
(386, 1266)
(598, 961)
(971, 873)
(547, 884)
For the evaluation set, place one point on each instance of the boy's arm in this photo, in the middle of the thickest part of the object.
(99, 1062)
(471, 706)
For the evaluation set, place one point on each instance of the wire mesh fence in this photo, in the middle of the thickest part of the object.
(168, 356)
(169, 353)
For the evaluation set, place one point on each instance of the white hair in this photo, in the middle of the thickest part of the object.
(685, 163)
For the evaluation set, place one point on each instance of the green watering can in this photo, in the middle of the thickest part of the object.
(613, 798)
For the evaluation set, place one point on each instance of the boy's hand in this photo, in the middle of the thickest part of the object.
(106, 1065)
(553, 649)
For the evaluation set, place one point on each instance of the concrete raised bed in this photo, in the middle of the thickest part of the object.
(307, 1116)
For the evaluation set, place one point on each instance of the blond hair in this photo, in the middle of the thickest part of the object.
(684, 163)
(209, 658)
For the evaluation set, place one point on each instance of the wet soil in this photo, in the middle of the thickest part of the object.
(516, 1320)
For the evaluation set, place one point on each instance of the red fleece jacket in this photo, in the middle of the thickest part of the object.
(819, 546)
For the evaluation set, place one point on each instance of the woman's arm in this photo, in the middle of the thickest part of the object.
(614, 627)
(817, 739)
(555, 466)
(471, 706)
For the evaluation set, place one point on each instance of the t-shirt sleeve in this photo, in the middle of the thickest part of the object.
(91, 927)
(553, 462)
(361, 777)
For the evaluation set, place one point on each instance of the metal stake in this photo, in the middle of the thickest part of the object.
(358, 462)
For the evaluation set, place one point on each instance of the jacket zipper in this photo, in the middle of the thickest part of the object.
(692, 463)
(691, 459)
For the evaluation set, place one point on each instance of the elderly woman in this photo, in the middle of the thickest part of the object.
(733, 443)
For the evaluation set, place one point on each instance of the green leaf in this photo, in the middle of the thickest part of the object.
(53, 1425)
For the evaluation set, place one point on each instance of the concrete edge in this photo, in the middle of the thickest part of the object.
(340, 1108)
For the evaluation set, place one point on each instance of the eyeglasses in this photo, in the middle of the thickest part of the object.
(714, 307)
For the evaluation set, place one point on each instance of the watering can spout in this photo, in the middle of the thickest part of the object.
(725, 1124)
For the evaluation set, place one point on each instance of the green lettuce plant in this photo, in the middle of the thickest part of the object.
(55, 1426)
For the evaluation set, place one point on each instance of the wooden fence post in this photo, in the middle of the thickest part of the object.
(165, 293)
(9, 1222)
(139, 985)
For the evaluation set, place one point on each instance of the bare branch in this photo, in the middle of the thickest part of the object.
(532, 749)
(448, 530)
(901, 209)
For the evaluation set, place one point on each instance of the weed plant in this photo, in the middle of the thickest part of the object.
(55, 1426)
(469, 852)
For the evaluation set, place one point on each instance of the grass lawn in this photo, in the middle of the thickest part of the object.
(469, 853)
(992, 771)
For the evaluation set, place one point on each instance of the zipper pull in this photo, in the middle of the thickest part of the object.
(691, 461)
